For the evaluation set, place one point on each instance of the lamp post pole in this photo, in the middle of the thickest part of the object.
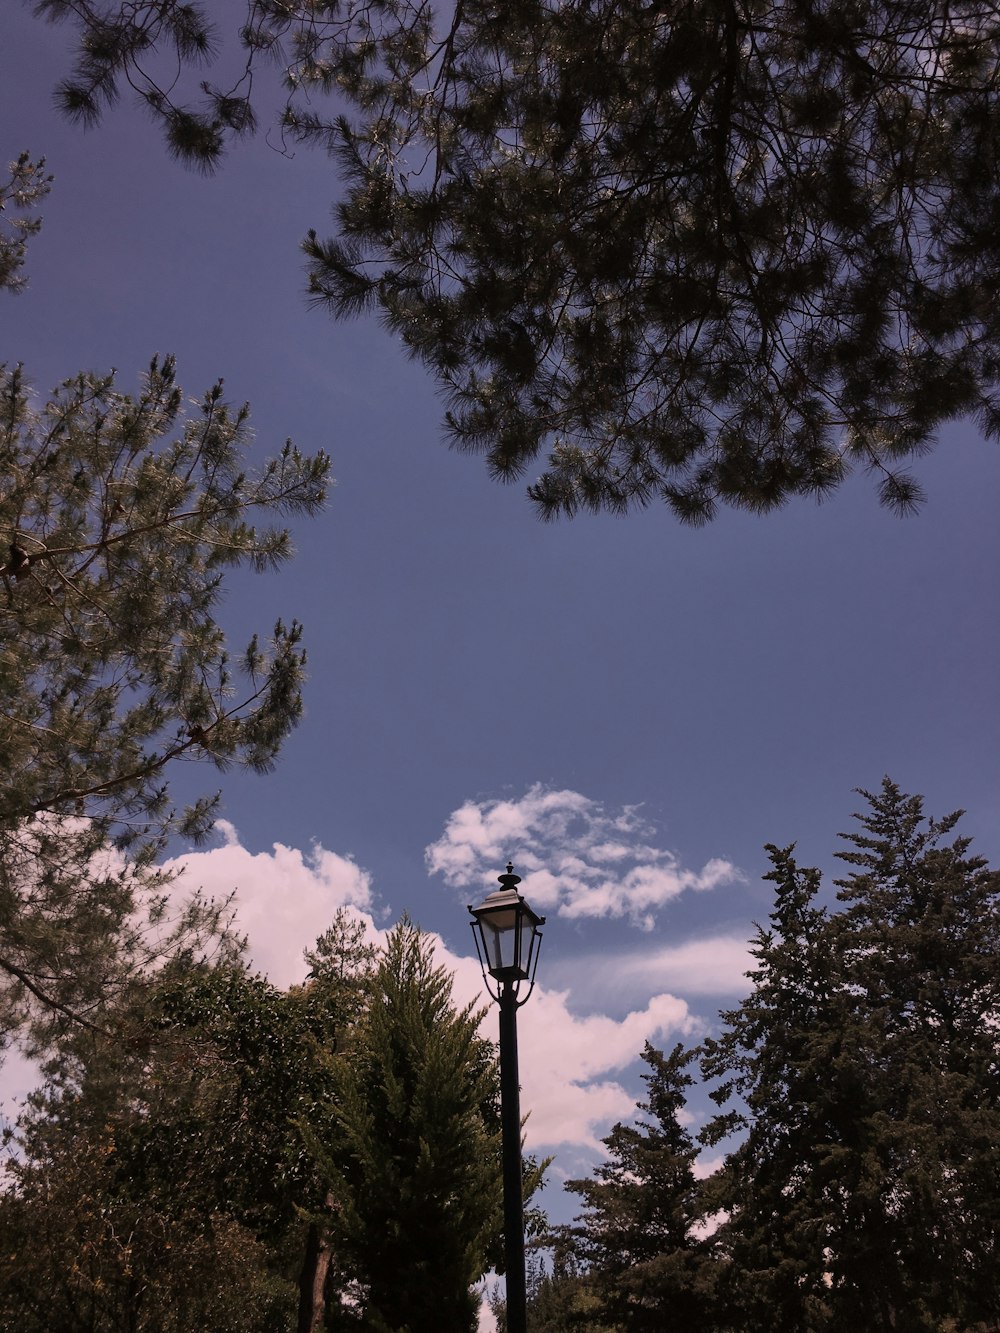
(507, 937)
(510, 1125)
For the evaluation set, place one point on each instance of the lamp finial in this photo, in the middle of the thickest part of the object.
(510, 879)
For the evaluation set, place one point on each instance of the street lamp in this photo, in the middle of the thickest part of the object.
(507, 937)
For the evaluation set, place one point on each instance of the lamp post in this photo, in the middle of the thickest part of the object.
(507, 936)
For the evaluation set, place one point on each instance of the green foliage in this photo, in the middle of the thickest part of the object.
(341, 1137)
(117, 541)
(860, 1084)
(159, 1180)
(645, 1266)
(139, 1201)
(26, 185)
(692, 252)
(119, 517)
(81, 927)
(560, 1300)
(413, 1153)
(866, 1060)
(772, 1063)
(77, 1258)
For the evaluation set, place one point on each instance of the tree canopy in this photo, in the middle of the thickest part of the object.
(26, 185)
(242, 1158)
(863, 1071)
(857, 1088)
(120, 515)
(697, 252)
(637, 1237)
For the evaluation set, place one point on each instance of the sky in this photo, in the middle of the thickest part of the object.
(625, 708)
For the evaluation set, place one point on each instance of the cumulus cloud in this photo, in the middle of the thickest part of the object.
(284, 898)
(573, 1065)
(713, 965)
(568, 1061)
(576, 858)
(570, 1064)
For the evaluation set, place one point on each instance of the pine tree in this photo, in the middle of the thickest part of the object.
(636, 1237)
(118, 520)
(413, 1153)
(920, 942)
(865, 1191)
(785, 1065)
(693, 252)
(26, 185)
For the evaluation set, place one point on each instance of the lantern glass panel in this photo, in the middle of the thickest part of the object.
(499, 931)
(504, 941)
(527, 943)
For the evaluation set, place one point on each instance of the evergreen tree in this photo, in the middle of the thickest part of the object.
(161, 1179)
(119, 518)
(26, 185)
(865, 1191)
(414, 1161)
(920, 943)
(786, 1063)
(636, 1239)
(562, 1300)
(697, 252)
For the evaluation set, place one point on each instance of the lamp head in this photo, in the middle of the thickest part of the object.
(507, 932)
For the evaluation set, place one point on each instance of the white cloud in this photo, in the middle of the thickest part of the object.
(713, 965)
(707, 1166)
(575, 858)
(571, 1064)
(568, 1061)
(285, 898)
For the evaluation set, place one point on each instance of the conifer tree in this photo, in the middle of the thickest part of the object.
(414, 1153)
(636, 1239)
(562, 1300)
(785, 1065)
(119, 517)
(864, 1193)
(694, 252)
(26, 185)
(920, 942)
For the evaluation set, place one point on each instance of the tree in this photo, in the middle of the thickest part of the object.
(81, 926)
(343, 1136)
(637, 1237)
(26, 185)
(83, 1255)
(413, 1153)
(916, 896)
(865, 1191)
(135, 1199)
(119, 518)
(161, 1179)
(634, 1259)
(784, 1061)
(700, 252)
(560, 1294)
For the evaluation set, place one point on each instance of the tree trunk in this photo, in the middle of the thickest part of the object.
(312, 1279)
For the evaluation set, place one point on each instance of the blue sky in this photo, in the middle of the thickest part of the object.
(627, 708)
